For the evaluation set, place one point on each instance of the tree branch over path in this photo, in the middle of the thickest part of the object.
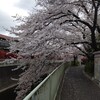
(81, 50)
(79, 20)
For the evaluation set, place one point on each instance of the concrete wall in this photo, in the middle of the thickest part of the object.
(97, 65)
(5, 76)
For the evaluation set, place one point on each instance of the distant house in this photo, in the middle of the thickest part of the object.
(4, 42)
(4, 46)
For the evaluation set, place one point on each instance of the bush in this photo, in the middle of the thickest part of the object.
(89, 68)
(76, 63)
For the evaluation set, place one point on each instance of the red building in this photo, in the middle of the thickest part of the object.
(4, 47)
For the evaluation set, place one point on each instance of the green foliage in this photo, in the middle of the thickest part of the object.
(89, 68)
(66, 64)
(76, 63)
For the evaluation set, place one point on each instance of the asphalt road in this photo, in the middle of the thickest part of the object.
(77, 86)
(8, 94)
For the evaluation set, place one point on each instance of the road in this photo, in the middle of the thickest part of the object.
(77, 86)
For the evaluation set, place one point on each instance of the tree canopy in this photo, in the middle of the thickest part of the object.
(59, 26)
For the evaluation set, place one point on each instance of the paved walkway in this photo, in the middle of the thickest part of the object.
(77, 86)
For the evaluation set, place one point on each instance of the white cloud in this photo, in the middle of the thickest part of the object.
(10, 8)
(6, 4)
(26, 4)
(5, 21)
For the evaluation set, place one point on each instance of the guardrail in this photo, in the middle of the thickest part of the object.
(48, 88)
(9, 63)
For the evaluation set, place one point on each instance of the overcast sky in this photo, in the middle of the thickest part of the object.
(9, 8)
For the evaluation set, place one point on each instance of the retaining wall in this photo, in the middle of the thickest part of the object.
(97, 65)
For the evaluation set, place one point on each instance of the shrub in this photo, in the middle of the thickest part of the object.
(76, 63)
(89, 68)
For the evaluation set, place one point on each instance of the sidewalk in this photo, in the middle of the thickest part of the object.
(77, 86)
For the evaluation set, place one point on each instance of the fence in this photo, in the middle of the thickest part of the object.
(47, 89)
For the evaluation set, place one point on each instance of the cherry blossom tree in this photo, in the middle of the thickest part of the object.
(55, 29)
(81, 15)
(40, 47)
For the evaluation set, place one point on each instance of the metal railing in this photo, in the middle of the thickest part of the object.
(48, 88)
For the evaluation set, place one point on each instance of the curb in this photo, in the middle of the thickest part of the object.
(91, 79)
(62, 83)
